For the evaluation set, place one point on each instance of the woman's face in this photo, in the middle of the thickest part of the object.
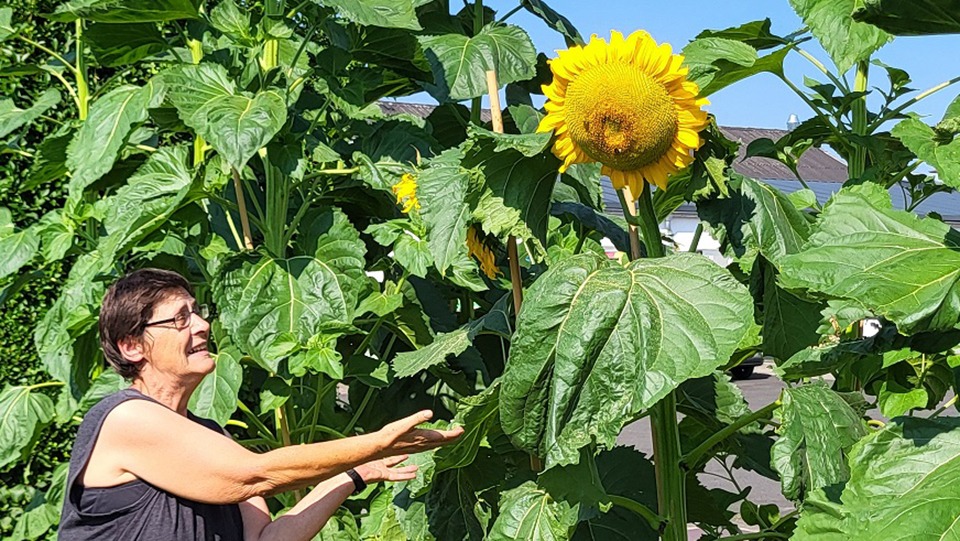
(178, 351)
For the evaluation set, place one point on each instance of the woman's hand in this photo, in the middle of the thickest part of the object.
(386, 469)
(403, 437)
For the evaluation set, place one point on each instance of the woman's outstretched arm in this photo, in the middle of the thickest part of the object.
(171, 452)
(304, 520)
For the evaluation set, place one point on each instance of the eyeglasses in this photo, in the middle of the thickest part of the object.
(183, 320)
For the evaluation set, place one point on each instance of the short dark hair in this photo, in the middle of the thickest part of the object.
(127, 308)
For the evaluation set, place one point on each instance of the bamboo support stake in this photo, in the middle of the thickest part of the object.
(493, 89)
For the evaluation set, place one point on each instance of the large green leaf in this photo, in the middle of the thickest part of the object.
(112, 118)
(107, 383)
(928, 145)
(266, 302)
(893, 263)
(64, 341)
(528, 512)
(518, 172)
(721, 58)
(237, 124)
(817, 427)
(6, 28)
(910, 17)
(126, 11)
(442, 192)
(904, 484)
(845, 40)
(619, 524)
(216, 396)
(477, 415)
(155, 191)
(23, 414)
(122, 44)
(496, 321)
(385, 13)
(18, 249)
(756, 219)
(453, 506)
(460, 63)
(554, 20)
(789, 323)
(597, 343)
(12, 117)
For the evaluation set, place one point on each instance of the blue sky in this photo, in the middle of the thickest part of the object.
(762, 101)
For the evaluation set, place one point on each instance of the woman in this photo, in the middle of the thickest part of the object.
(144, 468)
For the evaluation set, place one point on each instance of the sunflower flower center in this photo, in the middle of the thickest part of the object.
(620, 116)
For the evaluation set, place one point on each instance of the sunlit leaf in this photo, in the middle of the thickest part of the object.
(845, 40)
(904, 482)
(12, 117)
(23, 413)
(565, 384)
(528, 512)
(237, 124)
(892, 262)
(126, 11)
(944, 156)
(817, 427)
(385, 13)
(95, 148)
(460, 63)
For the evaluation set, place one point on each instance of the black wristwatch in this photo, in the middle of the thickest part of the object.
(359, 485)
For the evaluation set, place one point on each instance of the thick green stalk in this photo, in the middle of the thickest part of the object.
(83, 91)
(671, 493)
(277, 182)
(858, 158)
(199, 145)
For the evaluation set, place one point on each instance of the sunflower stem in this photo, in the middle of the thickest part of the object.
(858, 159)
(671, 494)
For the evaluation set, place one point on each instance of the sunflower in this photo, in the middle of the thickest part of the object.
(484, 255)
(406, 192)
(626, 104)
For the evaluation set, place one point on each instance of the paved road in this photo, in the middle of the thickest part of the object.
(761, 389)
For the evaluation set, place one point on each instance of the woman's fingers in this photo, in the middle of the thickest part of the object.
(409, 423)
(394, 460)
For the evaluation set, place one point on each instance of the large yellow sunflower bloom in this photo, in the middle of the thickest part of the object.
(626, 104)
(406, 192)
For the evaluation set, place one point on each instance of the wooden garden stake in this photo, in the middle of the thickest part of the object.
(493, 89)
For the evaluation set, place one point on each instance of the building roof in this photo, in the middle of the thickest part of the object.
(421, 110)
(815, 164)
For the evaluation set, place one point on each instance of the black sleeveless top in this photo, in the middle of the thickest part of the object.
(136, 510)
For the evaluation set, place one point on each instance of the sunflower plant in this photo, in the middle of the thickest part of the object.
(370, 258)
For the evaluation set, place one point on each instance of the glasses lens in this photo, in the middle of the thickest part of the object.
(203, 311)
(181, 320)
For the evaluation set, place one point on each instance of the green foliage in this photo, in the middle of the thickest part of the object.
(185, 132)
(910, 17)
(889, 246)
(845, 40)
(817, 427)
(902, 479)
(565, 386)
